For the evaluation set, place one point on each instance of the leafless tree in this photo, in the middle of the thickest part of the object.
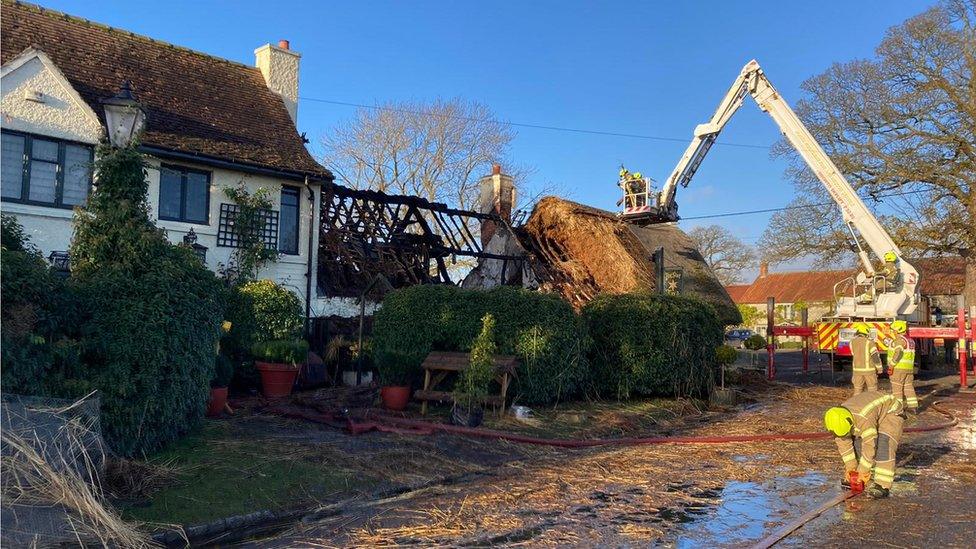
(723, 252)
(900, 126)
(437, 150)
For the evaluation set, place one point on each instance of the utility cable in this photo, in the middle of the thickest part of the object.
(526, 125)
(797, 207)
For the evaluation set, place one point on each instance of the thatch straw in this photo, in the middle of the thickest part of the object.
(62, 472)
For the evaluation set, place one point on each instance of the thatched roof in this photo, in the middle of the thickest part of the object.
(579, 252)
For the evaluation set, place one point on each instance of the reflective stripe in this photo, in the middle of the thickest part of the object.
(862, 370)
(849, 456)
(884, 474)
(912, 400)
(874, 404)
(869, 433)
(865, 463)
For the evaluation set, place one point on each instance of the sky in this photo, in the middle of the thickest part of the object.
(647, 68)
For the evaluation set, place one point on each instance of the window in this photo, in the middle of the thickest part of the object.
(184, 195)
(289, 221)
(44, 171)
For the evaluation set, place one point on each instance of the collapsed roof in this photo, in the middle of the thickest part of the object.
(579, 252)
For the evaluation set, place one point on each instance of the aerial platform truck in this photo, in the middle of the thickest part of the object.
(875, 296)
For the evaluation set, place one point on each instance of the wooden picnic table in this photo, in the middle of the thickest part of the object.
(439, 364)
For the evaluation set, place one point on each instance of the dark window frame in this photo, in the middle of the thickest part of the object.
(183, 171)
(28, 159)
(297, 191)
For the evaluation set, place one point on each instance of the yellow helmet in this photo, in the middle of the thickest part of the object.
(623, 172)
(899, 326)
(890, 257)
(637, 175)
(838, 420)
(861, 328)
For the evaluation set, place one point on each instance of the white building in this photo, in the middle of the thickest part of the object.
(211, 124)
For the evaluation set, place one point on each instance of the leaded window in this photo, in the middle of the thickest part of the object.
(45, 171)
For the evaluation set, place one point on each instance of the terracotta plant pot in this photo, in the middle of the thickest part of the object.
(277, 380)
(395, 397)
(218, 399)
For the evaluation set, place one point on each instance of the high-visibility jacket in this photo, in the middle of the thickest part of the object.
(865, 355)
(874, 412)
(902, 354)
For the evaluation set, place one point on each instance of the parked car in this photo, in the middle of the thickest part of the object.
(739, 334)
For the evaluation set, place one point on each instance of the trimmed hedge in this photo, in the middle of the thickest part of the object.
(541, 329)
(651, 344)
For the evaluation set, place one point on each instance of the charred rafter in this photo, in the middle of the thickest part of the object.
(405, 238)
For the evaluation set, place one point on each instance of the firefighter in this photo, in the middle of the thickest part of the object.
(901, 366)
(876, 420)
(867, 361)
(891, 274)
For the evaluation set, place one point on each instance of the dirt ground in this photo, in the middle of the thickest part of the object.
(684, 496)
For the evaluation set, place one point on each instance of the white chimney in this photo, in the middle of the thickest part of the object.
(279, 65)
(497, 197)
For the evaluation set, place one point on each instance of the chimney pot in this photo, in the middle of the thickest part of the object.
(284, 44)
(496, 169)
(763, 269)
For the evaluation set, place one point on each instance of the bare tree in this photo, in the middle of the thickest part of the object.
(901, 127)
(437, 150)
(723, 252)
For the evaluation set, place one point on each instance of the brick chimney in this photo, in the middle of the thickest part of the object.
(763, 269)
(279, 65)
(497, 197)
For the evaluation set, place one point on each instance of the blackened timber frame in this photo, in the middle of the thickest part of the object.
(407, 239)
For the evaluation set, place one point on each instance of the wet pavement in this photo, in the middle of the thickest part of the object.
(688, 496)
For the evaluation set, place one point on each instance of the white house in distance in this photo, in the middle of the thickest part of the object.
(210, 124)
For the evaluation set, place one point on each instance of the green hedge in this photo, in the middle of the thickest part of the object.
(651, 345)
(541, 329)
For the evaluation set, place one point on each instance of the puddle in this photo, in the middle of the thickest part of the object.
(744, 511)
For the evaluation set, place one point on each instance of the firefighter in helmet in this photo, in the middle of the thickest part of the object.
(866, 360)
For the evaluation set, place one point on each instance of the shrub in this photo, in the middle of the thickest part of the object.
(651, 344)
(153, 313)
(277, 311)
(541, 329)
(223, 372)
(755, 342)
(13, 238)
(473, 383)
(281, 351)
(725, 355)
(397, 369)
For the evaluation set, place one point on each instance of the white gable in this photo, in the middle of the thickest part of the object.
(38, 99)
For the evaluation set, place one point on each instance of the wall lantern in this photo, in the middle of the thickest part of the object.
(124, 117)
(190, 241)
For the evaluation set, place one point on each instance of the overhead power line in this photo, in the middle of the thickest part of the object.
(532, 126)
(785, 208)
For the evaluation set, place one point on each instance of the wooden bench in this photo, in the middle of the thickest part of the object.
(439, 364)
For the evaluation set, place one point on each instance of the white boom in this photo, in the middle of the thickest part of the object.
(893, 299)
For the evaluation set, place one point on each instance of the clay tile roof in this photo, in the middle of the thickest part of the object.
(791, 287)
(941, 275)
(195, 103)
(735, 291)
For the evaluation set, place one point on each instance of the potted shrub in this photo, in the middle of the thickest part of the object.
(473, 383)
(223, 373)
(395, 375)
(278, 362)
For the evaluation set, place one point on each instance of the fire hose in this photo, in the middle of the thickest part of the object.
(387, 423)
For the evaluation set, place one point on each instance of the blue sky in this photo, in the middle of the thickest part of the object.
(649, 68)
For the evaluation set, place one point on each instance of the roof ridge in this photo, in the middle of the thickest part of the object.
(48, 12)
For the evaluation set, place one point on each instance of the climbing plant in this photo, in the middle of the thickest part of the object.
(252, 252)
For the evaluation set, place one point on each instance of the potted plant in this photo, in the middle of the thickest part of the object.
(395, 375)
(473, 383)
(278, 362)
(223, 372)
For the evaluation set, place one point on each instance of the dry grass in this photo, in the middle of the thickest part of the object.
(62, 472)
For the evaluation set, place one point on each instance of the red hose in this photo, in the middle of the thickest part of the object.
(379, 419)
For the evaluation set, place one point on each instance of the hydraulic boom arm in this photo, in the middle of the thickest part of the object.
(860, 221)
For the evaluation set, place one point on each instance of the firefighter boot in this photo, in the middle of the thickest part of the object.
(876, 492)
